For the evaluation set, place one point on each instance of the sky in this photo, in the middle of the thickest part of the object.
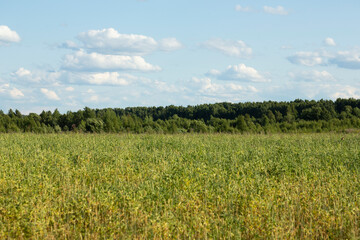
(68, 55)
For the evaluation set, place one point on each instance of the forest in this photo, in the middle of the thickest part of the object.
(250, 117)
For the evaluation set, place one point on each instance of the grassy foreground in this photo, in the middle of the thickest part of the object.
(179, 186)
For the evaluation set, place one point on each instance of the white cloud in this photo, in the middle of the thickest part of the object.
(22, 72)
(110, 41)
(279, 10)
(112, 78)
(214, 72)
(207, 86)
(307, 58)
(239, 72)
(229, 47)
(169, 44)
(347, 59)
(69, 89)
(4, 87)
(83, 61)
(94, 98)
(343, 59)
(10, 92)
(165, 87)
(16, 93)
(69, 45)
(91, 97)
(313, 76)
(346, 92)
(7, 35)
(51, 95)
(240, 8)
(25, 76)
(253, 89)
(207, 89)
(102, 78)
(329, 42)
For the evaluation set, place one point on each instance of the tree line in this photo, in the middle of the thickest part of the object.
(249, 117)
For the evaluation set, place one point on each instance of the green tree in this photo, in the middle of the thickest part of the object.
(240, 123)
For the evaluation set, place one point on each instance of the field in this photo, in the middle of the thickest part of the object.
(101, 186)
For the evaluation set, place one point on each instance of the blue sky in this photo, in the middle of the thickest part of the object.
(72, 54)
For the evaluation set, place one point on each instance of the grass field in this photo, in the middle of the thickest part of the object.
(220, 186)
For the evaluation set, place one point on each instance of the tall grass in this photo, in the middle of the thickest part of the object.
(179, 186)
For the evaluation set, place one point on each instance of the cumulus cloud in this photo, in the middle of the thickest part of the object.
(229, 47)
(346, 92)
(240, 8)
(55, 79)
(3, 87)
(347, 59)
(213, 72)
(279, 10)
(169, 44)
(22, 72)
(313, 76)
(208, 90)
(165, 87)
(25, 76)
(239, 72)
(344, 59)
(205, 85)
(69, 45)
(16, 93)
(307, 58)
(329, 42)
(69, 89)
(94, 98)
(112, 78)
(10, 92)
(7, 35)
(51, 95)
(102, 78)
(110, 41)
(82, 61)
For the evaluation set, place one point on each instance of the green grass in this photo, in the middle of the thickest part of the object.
(217, 186)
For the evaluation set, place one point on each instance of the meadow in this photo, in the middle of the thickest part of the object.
(184, 186)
